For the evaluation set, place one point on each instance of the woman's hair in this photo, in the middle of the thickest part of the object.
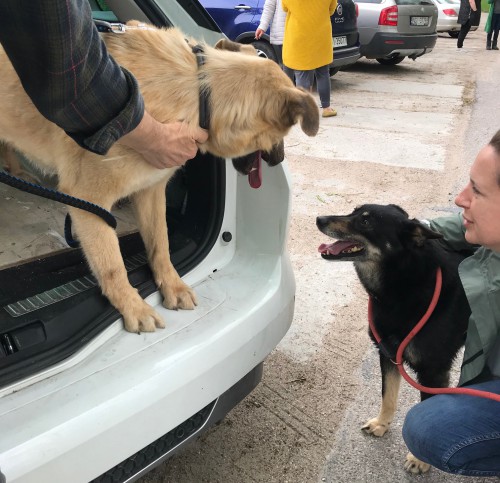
(495, 144)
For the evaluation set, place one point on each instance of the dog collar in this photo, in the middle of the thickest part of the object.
(204, 93)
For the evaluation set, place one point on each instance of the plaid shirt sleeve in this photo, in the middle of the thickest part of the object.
(67, 72)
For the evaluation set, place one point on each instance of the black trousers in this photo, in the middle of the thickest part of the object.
(464, 30)
(495, 27)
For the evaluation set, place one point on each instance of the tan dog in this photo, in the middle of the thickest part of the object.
(253, 116)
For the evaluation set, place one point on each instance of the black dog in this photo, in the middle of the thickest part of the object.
(396, 260)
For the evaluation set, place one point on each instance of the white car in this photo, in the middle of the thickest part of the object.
(447, 16)
(83, 400)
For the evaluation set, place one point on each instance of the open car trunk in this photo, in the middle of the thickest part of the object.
(50, 305)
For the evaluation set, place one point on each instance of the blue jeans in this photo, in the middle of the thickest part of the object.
(305, 79)
(457, 433)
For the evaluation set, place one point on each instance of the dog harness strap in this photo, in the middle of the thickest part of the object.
(204, 100)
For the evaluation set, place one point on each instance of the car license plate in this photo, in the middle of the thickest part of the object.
(419, 21)
(340, 41)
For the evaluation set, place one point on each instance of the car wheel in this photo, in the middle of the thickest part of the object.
(265, 50)
(453, 33)
(391, 61)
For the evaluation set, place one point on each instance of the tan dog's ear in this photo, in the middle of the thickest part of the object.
(301, 106)
(226, 44)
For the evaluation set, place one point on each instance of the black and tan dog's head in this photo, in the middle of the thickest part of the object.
(371, 232)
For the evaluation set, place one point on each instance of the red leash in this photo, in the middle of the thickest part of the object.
(413, 333)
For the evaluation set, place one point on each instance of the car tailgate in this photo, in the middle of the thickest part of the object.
(417, 18)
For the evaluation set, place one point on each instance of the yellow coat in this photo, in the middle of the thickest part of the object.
(307, 43)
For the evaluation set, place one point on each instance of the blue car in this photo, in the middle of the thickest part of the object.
(239, 21)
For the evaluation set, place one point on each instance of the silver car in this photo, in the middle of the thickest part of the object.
(390, 30)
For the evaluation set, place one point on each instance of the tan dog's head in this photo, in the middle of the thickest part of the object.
(253, 105)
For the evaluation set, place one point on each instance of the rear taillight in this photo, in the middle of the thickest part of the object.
(450, 12)
(389, 16)
(357, 9)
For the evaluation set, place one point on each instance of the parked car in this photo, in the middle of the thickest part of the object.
(447, 16)
(390, 30)
(239, 22)
(83, 400)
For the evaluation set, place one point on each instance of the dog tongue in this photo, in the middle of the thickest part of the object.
(255, 175)
(334, 248)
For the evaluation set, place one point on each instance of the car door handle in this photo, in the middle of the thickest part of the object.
(242, 7)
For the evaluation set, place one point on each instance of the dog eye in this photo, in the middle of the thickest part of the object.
(365, 221)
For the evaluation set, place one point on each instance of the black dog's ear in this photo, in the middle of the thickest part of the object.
(420, 233)
(400, 209)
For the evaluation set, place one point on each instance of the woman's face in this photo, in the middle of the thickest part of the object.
(480, 200)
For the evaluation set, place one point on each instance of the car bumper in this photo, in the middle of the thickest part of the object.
(125, 391)
(447, 25)
(345, 56)
(384, 44)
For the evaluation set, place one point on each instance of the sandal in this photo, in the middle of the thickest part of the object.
(329, 112)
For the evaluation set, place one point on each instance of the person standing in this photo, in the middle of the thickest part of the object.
(492, 26)
(469, 15)
(308, 45)
(274, 15)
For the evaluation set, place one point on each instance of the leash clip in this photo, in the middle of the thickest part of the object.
(108, 27)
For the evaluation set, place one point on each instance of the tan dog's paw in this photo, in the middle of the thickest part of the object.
(415, 466)
(178, 295)
(142, 318)
(376, 427)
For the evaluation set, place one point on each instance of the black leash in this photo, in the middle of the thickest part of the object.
(54, 195)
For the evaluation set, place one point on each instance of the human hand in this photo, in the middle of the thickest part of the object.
(259, 33)
(165, 145)
(472, 4)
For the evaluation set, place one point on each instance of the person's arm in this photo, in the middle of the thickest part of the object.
(268, 13)
(333, 6)
(472, 4)
(67, 72)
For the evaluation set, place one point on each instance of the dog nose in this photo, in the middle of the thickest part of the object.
(321, 221)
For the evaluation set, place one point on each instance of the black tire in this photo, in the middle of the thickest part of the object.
(265, 50)
(453, 33)
(391, 61)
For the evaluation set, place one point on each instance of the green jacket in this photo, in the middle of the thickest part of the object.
(487, 26)
(480, 276)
